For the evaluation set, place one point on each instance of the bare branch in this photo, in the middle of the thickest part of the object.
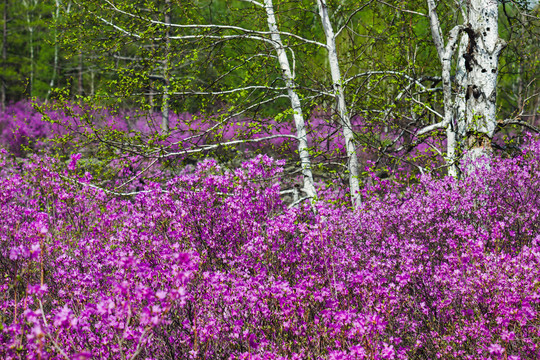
(392, 72)
(215, 26)
(429, 128)
(139, 347)
(47, 333)
(253, 2)
(298, 201)
(228, 143)
(427, 107)
(520, 123)
(404, 10)
(137, 175)
(345, 25)
(254, 87)
(103, 189)
(232, 116)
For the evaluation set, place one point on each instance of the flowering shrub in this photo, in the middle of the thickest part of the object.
(212, 265)
(22, 127)
(82, 275)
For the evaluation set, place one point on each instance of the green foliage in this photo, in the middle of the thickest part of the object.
(122, 55)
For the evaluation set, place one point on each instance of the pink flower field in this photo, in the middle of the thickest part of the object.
(211, 263)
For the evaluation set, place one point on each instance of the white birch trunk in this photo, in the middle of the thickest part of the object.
(474, 107)
(298, 117)
(343, 113)
(481, 65)
(457, 135)
(445, 56)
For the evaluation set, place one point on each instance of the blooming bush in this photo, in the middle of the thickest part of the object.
(212, 265)
(82, 276)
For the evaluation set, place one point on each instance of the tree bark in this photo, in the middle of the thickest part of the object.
(445, 56)
(481, 66)
(343, 112)
(288, 77)
(470, 117)
(166, 79)
(456, 132)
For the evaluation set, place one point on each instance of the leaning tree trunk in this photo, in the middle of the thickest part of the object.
(446, 53)
(288, 77)
(344, 116)
(458, 127)
(481, 66)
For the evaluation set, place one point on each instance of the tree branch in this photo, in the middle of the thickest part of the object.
(215, 26)
(429, 128)
(520, 123)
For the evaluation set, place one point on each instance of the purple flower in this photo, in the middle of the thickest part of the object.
(496, 349)
(73, 163)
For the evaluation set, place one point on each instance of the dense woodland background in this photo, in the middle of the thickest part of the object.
(47, 44)
(122, 56)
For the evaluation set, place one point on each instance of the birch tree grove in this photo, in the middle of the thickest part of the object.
(213, 36)
(366, 68)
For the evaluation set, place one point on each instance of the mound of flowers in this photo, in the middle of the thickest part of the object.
(212, 265)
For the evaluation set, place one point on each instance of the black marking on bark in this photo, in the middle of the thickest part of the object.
(471, 48)
(468, 60)
(493, 96)
(476, 92)
(468, 93)
(484, 70)
(493, 71)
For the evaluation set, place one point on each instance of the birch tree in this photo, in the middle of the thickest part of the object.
(166, 80)
(469, 47)
(288, 77)
(213, 34)
(343, 113)
(477, 72)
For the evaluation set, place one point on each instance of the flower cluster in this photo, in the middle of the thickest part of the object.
(82, 275)
(212, 265)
